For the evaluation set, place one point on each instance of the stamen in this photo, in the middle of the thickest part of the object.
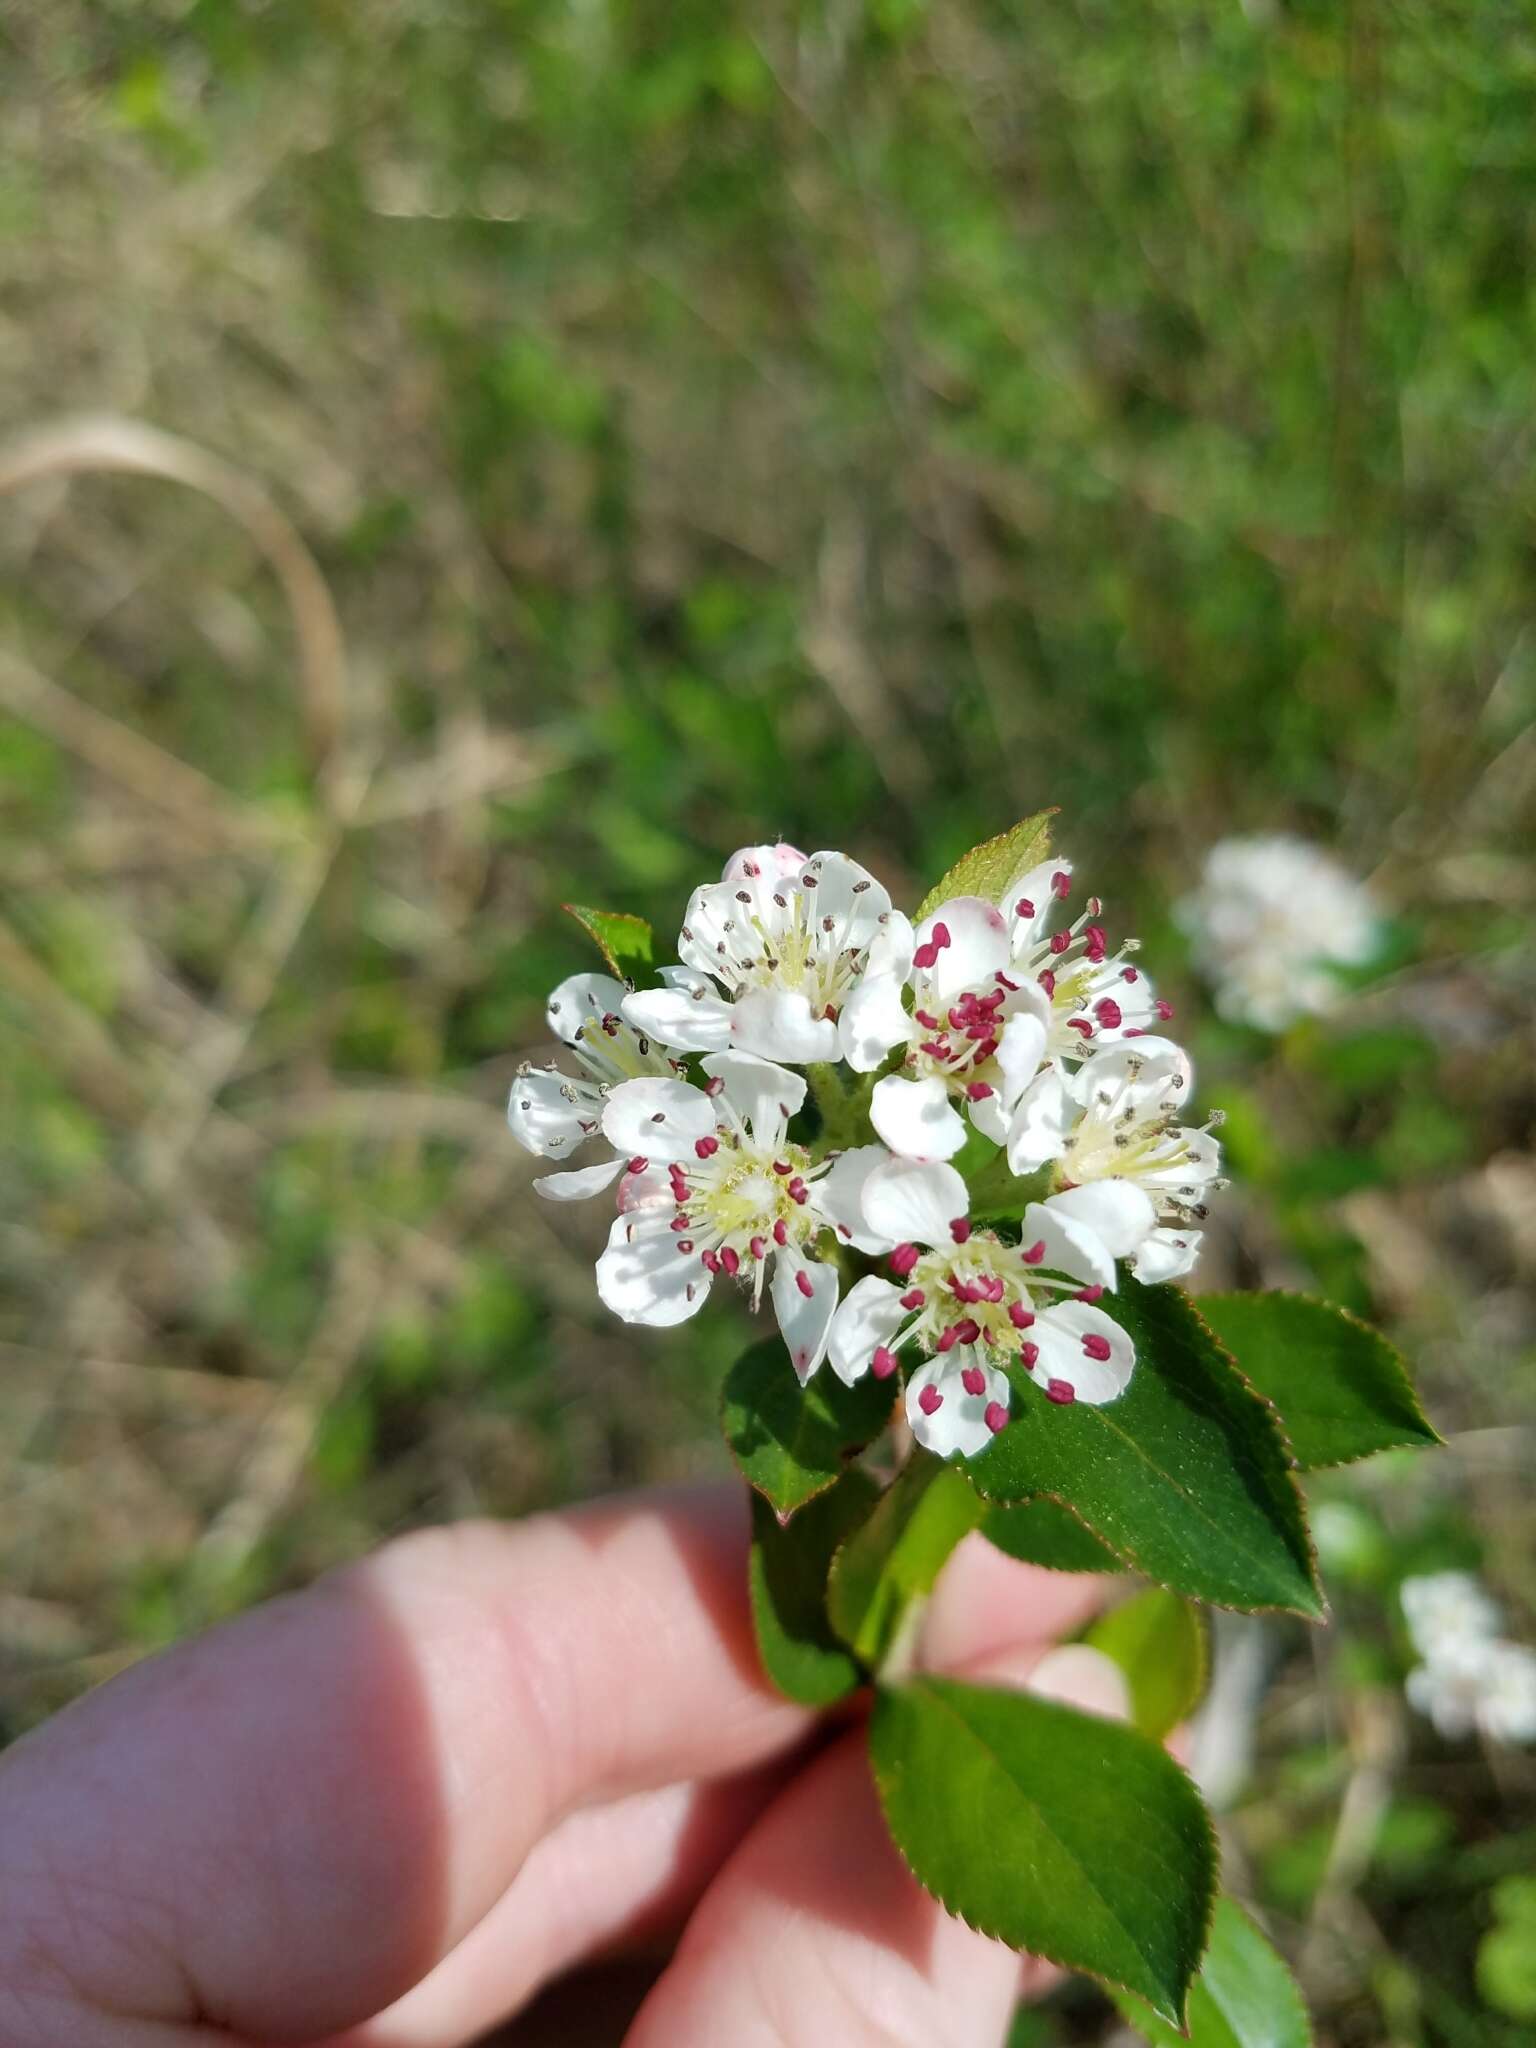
(706, 1148)
(1097, 1347)
(781, 1232)
(1108, 1012)
(803, 1282)
(758, 1247)
(967, 1331)
(1091, 1294)
(883, 1363)
(960, 1228)
(638, 1164)
(1020, 1316)
(710, 1261)
(978, 1091)
(948, 1339)
(1060, 1392)
(974, 1380)
(1035, 1253)
(1047, 981)
(1028, 1355)
(926, 956)
(930, 1400)
(1023, 908)
(1163, 1009)
(685, 1244)
(1060, 941)
(903, 1259)
(941, 936)
(1061, 884)
(730, 1258)
(1080, 1024)
(914, 1299)
(995, 1417)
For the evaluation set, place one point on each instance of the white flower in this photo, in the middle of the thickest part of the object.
(1116, 1120)
(715, 1186)
(996, 995)
(771, 955)
(1445, 1609)
(972, 1304)
(551, 1113)
(1272, 921)
(1478, 1683)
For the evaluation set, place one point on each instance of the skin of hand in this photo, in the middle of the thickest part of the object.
(381, 1813)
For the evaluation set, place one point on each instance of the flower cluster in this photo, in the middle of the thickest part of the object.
(1471, 1677)
(1012, 1031)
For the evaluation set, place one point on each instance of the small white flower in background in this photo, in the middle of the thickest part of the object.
(773, 952)
(1472, 1678)
(1445, 1609)
(970, 1304)
(552, 1113)
(715, 1186)
(1272, 921)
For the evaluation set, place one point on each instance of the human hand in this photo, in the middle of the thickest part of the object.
(383, 1812)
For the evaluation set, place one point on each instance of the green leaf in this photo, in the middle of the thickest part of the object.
(1158, 1641)
(992, 868)
(624, 941)
(1186, 1476)
(787, 1576)
(1244, 1997)
(892, 1561)
(790, 1441)
(1047, 1533)
(1341, 1389)
(1058, 1832)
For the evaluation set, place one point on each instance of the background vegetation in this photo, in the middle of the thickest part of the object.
(866, 421)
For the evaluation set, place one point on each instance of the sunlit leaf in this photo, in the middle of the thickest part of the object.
(992, 868)
(624, 941)
(1158, 1641)
(1244, 1996)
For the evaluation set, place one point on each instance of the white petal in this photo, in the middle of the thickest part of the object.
(774, 861)
(805, 1319)
(959, 1424)
(1070, 1247)
(839, 1197)
(1021, 1049)
(991, 1118)
(643, 1277)
(1058, 1334)
(550, 1114)
(910, 1202)
(779, 1024)
(1137, 1074)
(648, 1189)
(575, 1187)
(762, 1095)
(976, 953)
(874, 1019)
(1041, 1123)
(1117, 1212)
(915, 1118)
(688, 1022)
(870, 1314)
(580, 998)
(1031, 901)
(890, 950)
(1167, 1253)
(657, 1119)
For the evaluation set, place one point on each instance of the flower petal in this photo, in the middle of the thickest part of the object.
(1021, 1049)
(857, 906)
(805, 1318)
(976, 952)
(870, 1314)
(1117, 1211)
(910, 1201)
(657, 1119)
(643, 1277)
(579, 999)
(779, 1024)
(1070, 1246)
(1136, 1074)
(575, 1187)
(915, 1118)
(874, 1019)
(1166, 1253)
(958, 1425)
(839, 1197)
(689, 1022)
(1059, 1335)
(774, 861)
(763, 1096)
(890, 950)
(1035, 890)
(1041, 1123)
(549, 1113)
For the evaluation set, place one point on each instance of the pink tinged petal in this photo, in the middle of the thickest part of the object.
(774, 862)
(575, 1187)
(764, 1095)
(915, 1118)
(977, 949)
(839, 1197)
(1167, 1253)
(1119, 1213)
(874, 1019)
(957, 1425)
(1086, 1350)
(641, 1276)
(908, 1202)
(805, 1318)
(685, 1022)
(1042, 1120)
(658, 1119)
(779, 1024)
(1070, 1247)
(866, 1321)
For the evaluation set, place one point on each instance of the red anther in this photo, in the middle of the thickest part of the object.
(903, 1259)
(782, 1166)
(803, 1282)
(981, 1029)
(1080, 1024)
(928, 1022)
(611, 1024)
(1060, 941)
(1021, 1317)
(1047, 981)
(985, 1050)
(926, 956)
(1061, 884)
(711, 1260)
(978, 1091)
(1060, 1392)
(1023, 908)
(1035, 1254)
(1098, 944)
(974, 1380)
(992, 1287)
(996, 1417)
(960, 1228)
(705, 1148)
(1090, 1294)
(959, 1019)
(685, 1244)
(1097, 1347)
(936, 1048)
(914, 1298)
(883, 1363)
(941, 936)
(965, 1290)
(1163, 1009)
(967, 1330)
(730, 1258)
(1004, 983)
(1028, 1354)
(638, 1164)
(1135, 1031)
(797, 1189)
(679, 1221)
(758, 1247)
(781, 1232)
(1108, 1012)
(713, 1085)
(1130, 974)
(949, 1338)
(995, 1001)
(930, 1400)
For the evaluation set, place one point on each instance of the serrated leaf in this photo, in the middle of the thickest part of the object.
(1186, 1476)
(1244, 1996)
(992, 868)
(791, 1441)
(1341, 1389)
(1044, 1532)
(787, 1576)
(624, 941)
(1158, 1641)
(893, 1558)
(1061, 1833)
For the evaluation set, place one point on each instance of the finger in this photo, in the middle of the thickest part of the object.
(286, 1824)
(986, 1601)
